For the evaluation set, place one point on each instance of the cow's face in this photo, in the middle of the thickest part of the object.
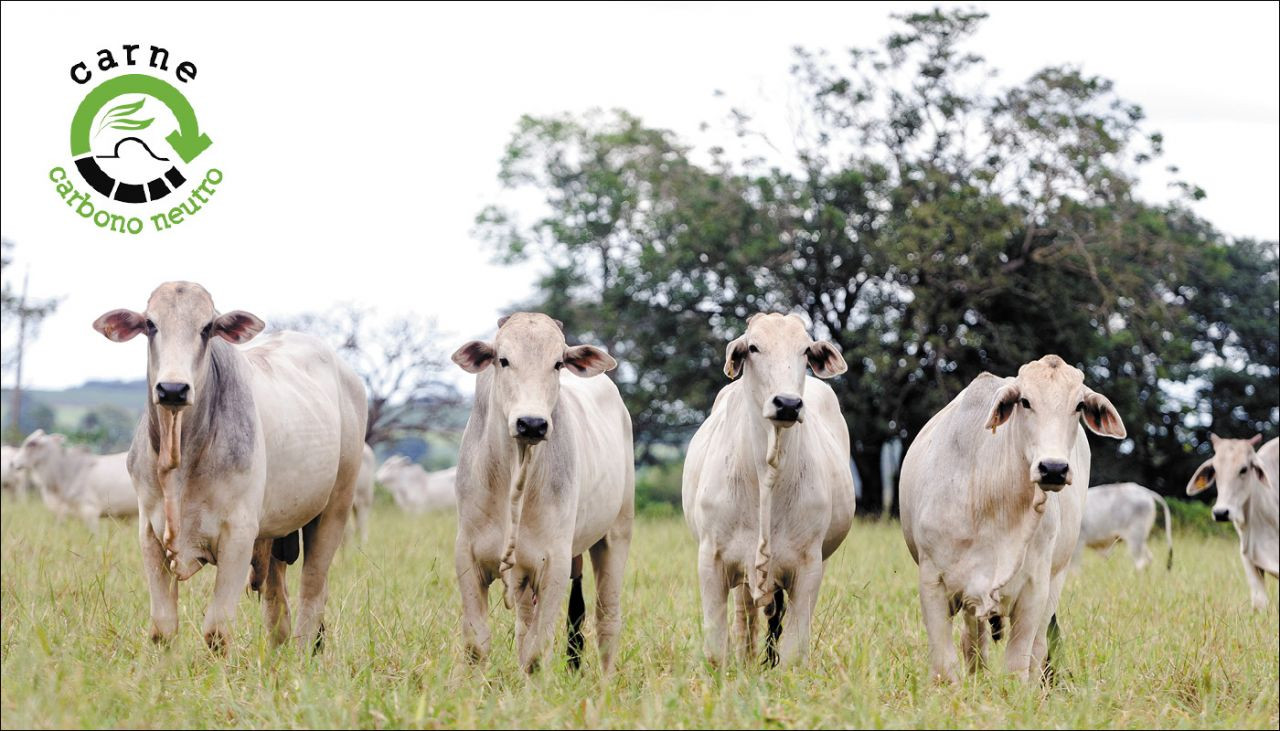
(1043, 405)
(38, 453)
(179, 322)
(772, 356)
(528, 356)
(1235, 468)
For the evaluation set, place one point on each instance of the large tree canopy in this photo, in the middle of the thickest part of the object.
(929, 220)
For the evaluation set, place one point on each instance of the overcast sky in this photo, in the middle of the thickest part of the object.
(358, 141)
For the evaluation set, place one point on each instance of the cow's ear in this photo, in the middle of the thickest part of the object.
(825, 360)
(474, 356)
(1202, 479)
(1261, 474)
(238, 326)
(1002, 406)
(734, 354)
(1255, 440)
(588, 360)
(1100, 416)
(120, 325)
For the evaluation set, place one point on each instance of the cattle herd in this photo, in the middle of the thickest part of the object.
(249, 457)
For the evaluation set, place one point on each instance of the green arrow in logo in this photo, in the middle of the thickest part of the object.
(187, 140)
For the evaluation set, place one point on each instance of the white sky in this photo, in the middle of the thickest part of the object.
(359, 141)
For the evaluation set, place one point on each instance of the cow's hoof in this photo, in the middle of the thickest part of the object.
(161, 638)
(217, 641)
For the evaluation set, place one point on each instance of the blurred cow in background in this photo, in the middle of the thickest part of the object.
(12, 479)
(74, 481)
(1126, 512)
(414, 489)
(1247, 496)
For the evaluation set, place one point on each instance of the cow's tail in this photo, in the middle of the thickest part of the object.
(1168, 528)
(997, 627)
(577, 613)
(779, 608)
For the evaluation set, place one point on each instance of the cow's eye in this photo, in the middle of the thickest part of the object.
(151, 327)
(1026, 404)
(559, 364)
(752, 349)
(504, 362)
(207, 331)
(1080, 406)
(1244, 470)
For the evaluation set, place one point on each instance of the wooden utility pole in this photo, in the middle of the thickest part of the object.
(16, 404)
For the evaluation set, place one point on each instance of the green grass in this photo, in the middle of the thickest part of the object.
(1141, 649)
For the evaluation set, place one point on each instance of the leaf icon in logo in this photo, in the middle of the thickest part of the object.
(116, 117)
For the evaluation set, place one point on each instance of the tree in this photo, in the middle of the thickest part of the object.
(399, 362)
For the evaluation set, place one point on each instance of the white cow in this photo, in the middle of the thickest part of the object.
(545, 474)
(240, 450)
(773, 437)
(362, 502)
(1248, 496)
(12, 479)
(414, 489)
(992, 515)
(1126, 512)
(74, 481)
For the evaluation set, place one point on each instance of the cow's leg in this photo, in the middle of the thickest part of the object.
(90, 515)
(1028, 622)
(526, 607)
(362, 522)
(744, 624)
(320, 539)
(473, 585)
(714, 587)
(803, 597)
(550, 587)
(1040, 649)
(937, 624)
(162, 583)
(1139, 552)
(275, 602)
(235, 556)
(973, 640)
(609, 562)
(1257, 583)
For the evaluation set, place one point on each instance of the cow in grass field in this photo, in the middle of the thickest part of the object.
(76, 482)
(767, 489)
(1126, 512)
(545, 474)
(242, 453)
(1248, 496)
(992, 493)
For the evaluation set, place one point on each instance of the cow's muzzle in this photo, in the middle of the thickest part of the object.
(787, 410)
(1053, 474)
(1222, 516)
(531, 429)
(173, 394)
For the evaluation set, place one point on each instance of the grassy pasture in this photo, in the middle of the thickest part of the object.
(1140, 649)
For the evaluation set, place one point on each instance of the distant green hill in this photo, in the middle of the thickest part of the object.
(69, 406)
